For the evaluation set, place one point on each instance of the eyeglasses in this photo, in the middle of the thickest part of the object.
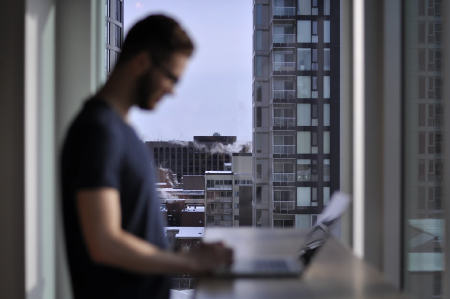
(167, 73)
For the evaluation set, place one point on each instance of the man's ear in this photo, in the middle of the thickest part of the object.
(141, 63)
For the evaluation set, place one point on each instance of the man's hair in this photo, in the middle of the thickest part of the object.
(159, 35)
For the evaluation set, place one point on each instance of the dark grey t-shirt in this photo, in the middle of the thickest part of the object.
(101, 150)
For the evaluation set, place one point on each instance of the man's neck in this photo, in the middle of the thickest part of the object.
(118, 92)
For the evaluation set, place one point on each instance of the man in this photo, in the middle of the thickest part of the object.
(114, 230)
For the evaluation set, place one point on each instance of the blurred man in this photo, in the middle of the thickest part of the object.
(113, 226)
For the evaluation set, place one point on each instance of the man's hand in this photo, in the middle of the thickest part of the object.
(209, 256)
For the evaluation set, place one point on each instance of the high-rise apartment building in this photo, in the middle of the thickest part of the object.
(296, 109)
(113, 32)
(424, 154)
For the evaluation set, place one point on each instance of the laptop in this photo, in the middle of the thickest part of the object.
(291, 266)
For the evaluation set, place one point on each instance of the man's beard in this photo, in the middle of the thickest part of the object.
(144, 90)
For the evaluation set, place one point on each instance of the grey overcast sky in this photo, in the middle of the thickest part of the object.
(215, 94)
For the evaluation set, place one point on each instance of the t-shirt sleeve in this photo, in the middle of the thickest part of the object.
(97, 157)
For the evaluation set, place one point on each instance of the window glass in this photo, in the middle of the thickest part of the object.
(303, 221)
(326, 114)
(326, 7)
(326, 195)
(326, 31)
(303, 170)
(258, 68)
(304, 115)
(326, 87)
(326, 142)
(258, 14)
(303, 31)
(259, 42)
(326, 170)
(304, 7)
(326, 59)
(303, 196)
(258, 91)
(303, 87)
(303, 142)
(303, 59)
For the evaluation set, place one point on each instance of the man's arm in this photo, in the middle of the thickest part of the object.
(107, 243)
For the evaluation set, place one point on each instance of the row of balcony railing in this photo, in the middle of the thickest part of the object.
(284, 11)
(283, 38)
(284, 66)
(286, 94)
(219, 211)
(283, 177)
(221, 199)
(284, 121)
(284, 149)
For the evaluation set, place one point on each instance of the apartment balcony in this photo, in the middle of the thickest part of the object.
(284, 12)
(283, 40)
(283, 66)
(284, 122)
(283, 94)
(284, 206)
(220, 211)
(283, 177)
(222, 199)
(283, 149)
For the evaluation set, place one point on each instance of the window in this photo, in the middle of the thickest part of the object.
(326, 59)
(258, 91)
(118, 36)
(283, 144)
(326, 195)
(304, 115)
(326, 87)
(303, 59)
(236, 217)
(303, 196)
(304, 7)
(326, 31)
(326, 7)
(315, 64)
(326, 115)
(258, 67)
(283, 172)
(303, 31)
(421, 114)
(283, 61)
(326, 170)
(303, 87)
(283, 34)
(283, 117)
(303, 142)
(421, 32)
(314, 36)
(284, 223)
(326, 142)
(258, 14)
(258, 116)
(303, 170)
(258, 194)
(259, 41)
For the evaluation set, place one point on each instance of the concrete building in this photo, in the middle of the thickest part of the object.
(204, 153)
(296, 109)
(229, 194)
(424, 118)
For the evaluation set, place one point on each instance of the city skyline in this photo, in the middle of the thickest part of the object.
(223, 59)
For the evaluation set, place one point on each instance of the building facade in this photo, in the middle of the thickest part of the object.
(205, 153)
(114, 32)
(424, 153)
(296, 110)
(228, 199)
